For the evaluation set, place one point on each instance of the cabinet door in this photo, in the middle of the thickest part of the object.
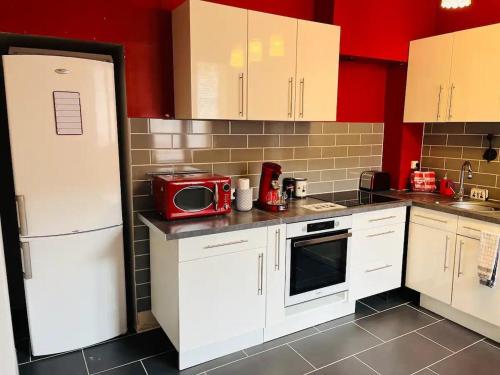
(428, 77)
(475, 77)
(468, 295)
(275, 293)
(431, 254)
(376, 260)
(317, 71)
(218, 61)
(221, 297)
(272, 46)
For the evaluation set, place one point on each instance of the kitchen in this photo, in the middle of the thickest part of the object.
(285, 105)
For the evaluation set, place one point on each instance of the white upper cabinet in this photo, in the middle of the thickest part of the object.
(235, 64)
(272, 51)
(428, 79)
(455, 77)
(210, 61)
(318, 47)
(475, 76)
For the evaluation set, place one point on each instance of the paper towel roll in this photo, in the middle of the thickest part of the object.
(243, 183)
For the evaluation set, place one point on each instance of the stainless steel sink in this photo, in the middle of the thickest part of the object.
(477, 206)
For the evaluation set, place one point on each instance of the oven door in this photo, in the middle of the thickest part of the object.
(317, 266)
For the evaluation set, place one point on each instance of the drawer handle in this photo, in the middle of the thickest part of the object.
(473, 229)
(383, 218)
(225, 244)
(379, 268)
(381, 234)
(431, 218)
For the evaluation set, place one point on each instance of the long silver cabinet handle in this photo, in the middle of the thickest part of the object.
(260, 275)
(290, 97)
(302, 88)
(445, 267)
(317, 241)
(379, 268)
(225, 244)
(277, 250)
(473, 229)
(380, 234)
(460, 273)
(26, 260)
(431, 218)
(438, 116)
(21, 215)
(242, 93)
(382, 218)
(450, 113)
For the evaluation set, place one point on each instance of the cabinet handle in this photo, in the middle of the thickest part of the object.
(452, 89)
(242, 97)
(381, 234)
(302, 87)
(438, 116)
(473, 229)
(290, 97)
(21, 215)
(382, 218)
(260, 274)
(277, 249)
(460, 259)
(225, 244)
(445, 267)
(379, 268)
(26, 260)
(431, 218)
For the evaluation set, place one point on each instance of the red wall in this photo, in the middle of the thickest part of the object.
(480, 13)
(382, 29)
(142, 26)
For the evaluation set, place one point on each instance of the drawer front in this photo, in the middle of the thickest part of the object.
(221, 243)
(472, 228)
(365, 283)
(379, 218)
(434, 219)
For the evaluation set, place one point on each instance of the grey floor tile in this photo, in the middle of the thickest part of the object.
(395, 322)
(280, 341)
(279, 361)
(384, 301)
(479, 359)
(425, 371)
(349, 366)
(404, 355)
(127, 349)
(361, 311)
(335, 344)
(450, 335)
(132, 369)
(71, 363)
(494, 343)
(167, 364)
(424, 310)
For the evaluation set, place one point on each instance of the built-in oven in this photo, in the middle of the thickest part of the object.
(317, 259)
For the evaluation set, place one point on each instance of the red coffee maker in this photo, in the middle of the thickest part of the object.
(270, 198)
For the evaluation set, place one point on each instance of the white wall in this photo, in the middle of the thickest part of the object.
(8, 361)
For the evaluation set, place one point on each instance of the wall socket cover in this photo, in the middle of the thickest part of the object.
(480, 194)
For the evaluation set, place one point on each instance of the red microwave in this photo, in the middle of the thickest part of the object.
(194, 195)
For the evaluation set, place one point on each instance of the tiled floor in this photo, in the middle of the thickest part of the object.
(386, 335)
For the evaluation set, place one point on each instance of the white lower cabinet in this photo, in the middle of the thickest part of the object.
(376, 252)
(276, 274)
(430, 261)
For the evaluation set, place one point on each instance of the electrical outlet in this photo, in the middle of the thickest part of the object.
(479, 194)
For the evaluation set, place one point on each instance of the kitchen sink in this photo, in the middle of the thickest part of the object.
(477, 206)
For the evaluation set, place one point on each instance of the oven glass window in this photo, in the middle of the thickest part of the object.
(194, 198)
(317, 265)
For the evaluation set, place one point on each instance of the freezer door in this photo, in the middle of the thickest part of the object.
(64, 143)
(75, 293)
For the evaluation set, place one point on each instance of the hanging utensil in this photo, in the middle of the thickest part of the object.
(490, 154)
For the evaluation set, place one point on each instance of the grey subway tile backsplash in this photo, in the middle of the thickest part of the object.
(329, 154)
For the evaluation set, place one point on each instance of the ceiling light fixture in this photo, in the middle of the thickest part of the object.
(454, 4)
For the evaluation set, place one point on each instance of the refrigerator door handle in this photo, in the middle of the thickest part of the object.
(21, 215)
(26, 260)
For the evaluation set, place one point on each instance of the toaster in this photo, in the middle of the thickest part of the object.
(374, 181)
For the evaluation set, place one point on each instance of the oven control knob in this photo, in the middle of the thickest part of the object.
(226, 187)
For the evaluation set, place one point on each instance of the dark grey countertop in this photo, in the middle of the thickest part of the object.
(439, 202)
(255, 218)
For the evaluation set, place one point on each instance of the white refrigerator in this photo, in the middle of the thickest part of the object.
(64, 145)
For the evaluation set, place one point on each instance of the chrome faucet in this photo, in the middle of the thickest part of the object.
(466, 166)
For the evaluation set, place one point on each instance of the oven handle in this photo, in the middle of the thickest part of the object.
(317, 241)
